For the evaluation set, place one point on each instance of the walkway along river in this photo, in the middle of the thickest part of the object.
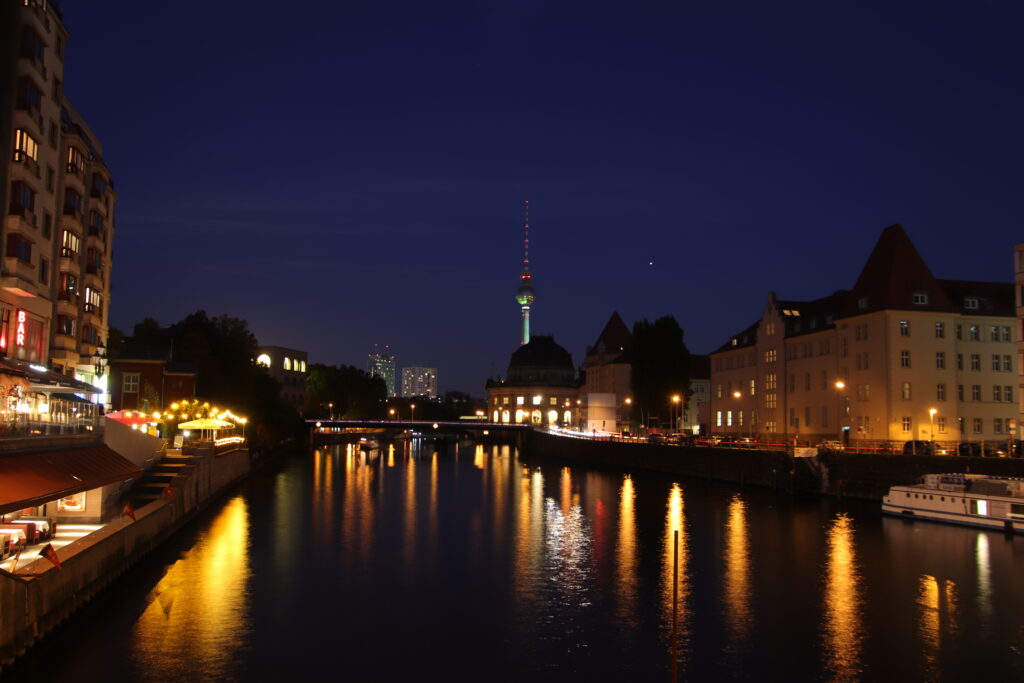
(469, 562)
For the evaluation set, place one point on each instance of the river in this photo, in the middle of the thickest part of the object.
(437, 561)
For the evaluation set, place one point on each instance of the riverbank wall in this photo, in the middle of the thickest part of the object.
(840, 474)
(39, 596)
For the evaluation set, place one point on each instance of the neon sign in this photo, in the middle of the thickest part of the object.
(19, 335)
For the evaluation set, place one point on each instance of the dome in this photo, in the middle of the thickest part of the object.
(541, 362)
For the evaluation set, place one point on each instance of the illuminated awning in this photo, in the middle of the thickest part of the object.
(30, 479)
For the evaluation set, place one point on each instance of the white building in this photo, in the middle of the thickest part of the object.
(417, 381)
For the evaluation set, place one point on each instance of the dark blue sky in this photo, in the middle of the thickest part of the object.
(344, 174)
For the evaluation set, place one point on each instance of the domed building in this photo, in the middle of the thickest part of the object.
(540, 387)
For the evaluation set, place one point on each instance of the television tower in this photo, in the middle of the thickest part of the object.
(526, 296)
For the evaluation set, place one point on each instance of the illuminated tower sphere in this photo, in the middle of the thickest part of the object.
(526, 296)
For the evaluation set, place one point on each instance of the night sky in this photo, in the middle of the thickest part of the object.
(345, 174)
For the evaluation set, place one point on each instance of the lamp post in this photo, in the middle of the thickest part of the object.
(391, 412)
(675, 407)
(931, 428)
(412, 412)
(840, 385)
(330, 408)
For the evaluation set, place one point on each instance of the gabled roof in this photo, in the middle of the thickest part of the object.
(991, 298)
(613, 345)
(893, 275)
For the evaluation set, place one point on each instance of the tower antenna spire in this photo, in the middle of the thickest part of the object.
(526, 296)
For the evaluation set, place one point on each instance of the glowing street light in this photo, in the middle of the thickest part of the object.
(840, 385)
(931, 431)
(676, 398)
(412, 412)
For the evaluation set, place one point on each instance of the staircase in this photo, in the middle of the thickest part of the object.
(152, 486)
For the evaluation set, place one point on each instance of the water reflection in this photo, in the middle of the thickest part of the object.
(843, 630)
(198, 610)
(675, 579)
(737, 575)
(626, 554)
(983, 557)
(937, 620)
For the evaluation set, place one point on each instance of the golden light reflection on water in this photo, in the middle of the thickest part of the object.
(737, 574)
(478, 457)
(529, 535)
(937, 619)
(983, 557)
(357, 511)
(197, 612)
(409, 519)
(626, 553)
(675, 520)
(843, 627)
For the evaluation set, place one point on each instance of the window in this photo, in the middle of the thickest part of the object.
(995, 363)
(862, 302)
(973, 333)
(904, 328)
(940, 392)
(718, 390)
(50, 175)
(920, 298)
(718, 418)
(536, 400)
(19, 248)
(28, 97)
(904, 359)
(905, 392)
(25, 146)
(32, 45)
(76, 160)
(131, 383)
(960, 392)
(959, 361)
(68, 289)
(770, 356)
(23, 199)
(728, 418)
(504, 400)
(65, 325)
(47, 224)
(906, 423)
(72, 202)
(975, 361)
(807, 385)
(552, 401)
(769, 401)
(1008, 394)
(1006, 334)
(93, 303)
(70, 243)
(520, 400)
(976, 424)
(753, 387)
(770, 381)
(1007, 363)
(844, 347)
(975, 392)
(95, 224)
(44, 271)
(997, 393)
(940, 422)
(863, 392)
(52, 136)
(971, 303)
(960, 332)
(997, 425)
(940, 330)
(940, 360)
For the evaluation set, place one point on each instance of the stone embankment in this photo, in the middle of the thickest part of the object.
(841, 474)
(38, 596)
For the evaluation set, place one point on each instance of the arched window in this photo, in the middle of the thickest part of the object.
(552, 417)
(287, 363)
(505, 416)
(536, 417)
(495, 418)
(567, 418)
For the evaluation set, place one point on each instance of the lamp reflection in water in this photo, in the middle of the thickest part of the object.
(409, 524)
(357, 512)
(937, 603)
(843, 629)
(198, 612)
(737, 575)
(675, 594)
(626, 555)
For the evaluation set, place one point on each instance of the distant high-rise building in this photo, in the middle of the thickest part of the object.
(59, 227)
(381, 363)
(419, 382)
(526, 296)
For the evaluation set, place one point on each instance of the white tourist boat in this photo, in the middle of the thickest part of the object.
(972, 499)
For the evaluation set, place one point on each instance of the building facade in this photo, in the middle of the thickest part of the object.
(288, 367)
(902, 356)
(606, 379)
(145, 379)
(382, 364)
(59, 220)
(1018, 268)
(417, 381)
(540, 387)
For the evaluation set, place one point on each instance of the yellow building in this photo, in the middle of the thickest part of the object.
(540, 387)
(902, 356)
(59, 199)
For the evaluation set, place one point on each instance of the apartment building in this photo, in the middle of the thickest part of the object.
(901, 356)
(417, 381)
(1018, 267)
(59, 223)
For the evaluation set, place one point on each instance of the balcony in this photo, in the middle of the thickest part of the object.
(95, 312)
(30, 165)
(68, 263)
(94, 278)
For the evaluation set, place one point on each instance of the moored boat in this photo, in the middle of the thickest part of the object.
(970, 499)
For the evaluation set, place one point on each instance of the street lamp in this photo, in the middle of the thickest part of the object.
(330, 407)
(931, 430)
(737, 395)
(412, 412)
(675, 401)
(391, 412)
(840, 385)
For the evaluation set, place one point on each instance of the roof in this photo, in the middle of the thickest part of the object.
(34, 478)
(700, 366)
(893, 275)
(614, 343)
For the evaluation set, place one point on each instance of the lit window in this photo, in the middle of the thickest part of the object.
(287, 363)
(906, 424)
(520, 400)
(904, 328)
(536, 400)
(904, 359)
(940, 330)
(263, 359)
(921, 298)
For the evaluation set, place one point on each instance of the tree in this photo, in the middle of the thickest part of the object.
(344, 390)
(660, 368)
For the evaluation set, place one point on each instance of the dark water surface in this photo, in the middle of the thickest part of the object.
(444, 562)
